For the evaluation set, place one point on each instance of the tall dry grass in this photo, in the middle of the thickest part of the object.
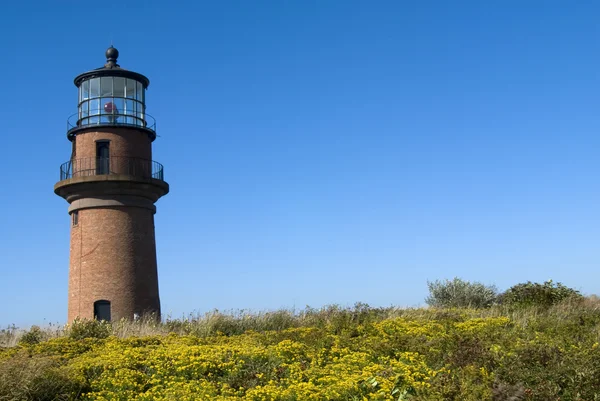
(237, 322)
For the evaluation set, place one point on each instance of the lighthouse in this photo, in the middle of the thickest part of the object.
(111, 184)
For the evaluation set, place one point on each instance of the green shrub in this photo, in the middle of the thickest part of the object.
(334, 353)
(37, 378)
(81, 329)
(35, 335)
(460, 294)
(536, 294)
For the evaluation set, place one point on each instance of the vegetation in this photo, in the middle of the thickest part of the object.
(458, 293)
(497, 352)
(538, 295)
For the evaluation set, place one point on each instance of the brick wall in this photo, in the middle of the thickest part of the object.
(113, 257)
(126, 142)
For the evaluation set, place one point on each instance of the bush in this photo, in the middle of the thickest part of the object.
(37, 378)
(81, 329)
(334, 353)
(460, 294)
(536, 294)
(35, 335)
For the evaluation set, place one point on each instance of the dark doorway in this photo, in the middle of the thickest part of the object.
(102, 310)
(102, 158)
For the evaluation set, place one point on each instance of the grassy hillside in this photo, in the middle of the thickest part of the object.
(356, 353)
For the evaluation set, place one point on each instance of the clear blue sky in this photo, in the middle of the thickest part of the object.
(318, 152)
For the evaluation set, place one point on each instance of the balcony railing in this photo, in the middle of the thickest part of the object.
(119, 118)
(135, 167)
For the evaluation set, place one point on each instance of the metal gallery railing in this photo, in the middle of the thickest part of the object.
(117, 118)
(132, 166)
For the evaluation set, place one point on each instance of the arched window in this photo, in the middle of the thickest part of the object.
(102, 157)
(102, 310)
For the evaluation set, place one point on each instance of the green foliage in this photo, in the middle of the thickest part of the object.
(332, 353)
(36, 378)
(540, 295)
(81, 329)
(35, 335)
(460, 294)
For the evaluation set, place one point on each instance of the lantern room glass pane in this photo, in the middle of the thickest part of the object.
(94, 106)
(85, 90)
(94, 87)
(83, 109)
(134, 111)
(128, 111)
(94, 111)
(140, 114)
(119, 87)
(119, 104)
(139, 93)
(130, 89)
(128, 106)
(107, 111)
(106, 86)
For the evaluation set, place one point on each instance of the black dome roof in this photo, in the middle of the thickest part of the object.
(111, 69)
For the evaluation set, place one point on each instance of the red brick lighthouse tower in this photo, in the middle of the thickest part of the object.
(111, 184)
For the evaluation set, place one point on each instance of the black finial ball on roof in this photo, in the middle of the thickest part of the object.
(112, 54)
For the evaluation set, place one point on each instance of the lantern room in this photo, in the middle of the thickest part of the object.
(111, 96)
